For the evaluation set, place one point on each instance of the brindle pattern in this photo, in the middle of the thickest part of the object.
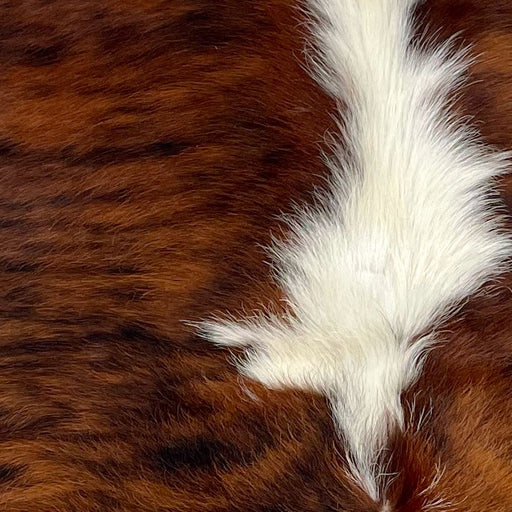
(146, 149)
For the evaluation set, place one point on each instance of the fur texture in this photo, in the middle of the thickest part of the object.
(405, 231)
(147, 149)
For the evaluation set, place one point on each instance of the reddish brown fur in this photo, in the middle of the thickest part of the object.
(146, 150)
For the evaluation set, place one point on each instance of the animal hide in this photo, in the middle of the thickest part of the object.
(254, 256)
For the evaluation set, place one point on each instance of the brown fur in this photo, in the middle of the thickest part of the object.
(146, 149)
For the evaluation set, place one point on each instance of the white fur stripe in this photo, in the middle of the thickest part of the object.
(404, 233)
